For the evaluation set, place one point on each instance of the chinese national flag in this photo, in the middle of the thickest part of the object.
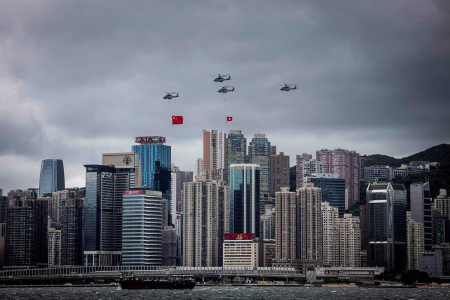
(229, 119)
(177, 120)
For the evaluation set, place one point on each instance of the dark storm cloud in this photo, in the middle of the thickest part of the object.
(94, 74)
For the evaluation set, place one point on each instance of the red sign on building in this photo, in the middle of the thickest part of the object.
(239, 236)
(137, 192)
(150, 139)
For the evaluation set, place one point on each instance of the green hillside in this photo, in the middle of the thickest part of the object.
(439, 153)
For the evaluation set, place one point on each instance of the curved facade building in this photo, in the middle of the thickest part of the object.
(52, 177)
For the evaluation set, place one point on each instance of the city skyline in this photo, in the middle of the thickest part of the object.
(79, 80)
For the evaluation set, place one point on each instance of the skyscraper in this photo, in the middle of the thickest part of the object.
(286, 226)
(72, 230)
(26, 233)
(142, 229)
(349, 241)
(415, 242)
(235, 150)
(386, 225)
(214, 154)
(102, 223)
(333, 189)
(244, 198)
(420, 200)
(279, 172)
(310, 228)
(52, 177)
(155, 159)
(178, 178)
(206, 206)
(259, 153)
(330, 235)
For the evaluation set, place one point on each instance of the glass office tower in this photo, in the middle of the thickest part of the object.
(333, 190)
(155, 165)
(259, 153)
(235, 150)
(244, 198)
(386, 228)
(142, 230)
(51, 177)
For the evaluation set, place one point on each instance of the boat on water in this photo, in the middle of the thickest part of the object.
(129, 282)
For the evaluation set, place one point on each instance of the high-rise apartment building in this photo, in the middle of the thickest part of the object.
(286, 226)
(259, 153)
(178, 178)
(442, 203)
(349, 241)
(235, 150)
(267, 225)
(72, 230)
(310, 221)
(306, 167)
(414, 242)
(51, 177)
(244, 198)
(206, 207)
(214, 154)
(279, 172)
(54, 247)
(346, 164)
(26, 233)
(199, 167)
(102, 225)
(386, 225)
(330, 235)
(420, 200)
(141, 227)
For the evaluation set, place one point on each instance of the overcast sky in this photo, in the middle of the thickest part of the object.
(82, 78)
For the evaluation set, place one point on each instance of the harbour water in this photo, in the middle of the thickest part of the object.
(223, 292)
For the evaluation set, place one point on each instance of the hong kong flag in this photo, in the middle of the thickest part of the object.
(229, 119)
(177, 120)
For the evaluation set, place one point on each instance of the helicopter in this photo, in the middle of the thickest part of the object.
(288, 87)
(226, 89)
(221, 78)
(170, 95)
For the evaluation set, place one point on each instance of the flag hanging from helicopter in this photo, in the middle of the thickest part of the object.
(176, 120)
(229, 119)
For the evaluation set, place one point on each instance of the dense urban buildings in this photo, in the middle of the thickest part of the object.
(51, 178)
(346, 164)
(378, 173)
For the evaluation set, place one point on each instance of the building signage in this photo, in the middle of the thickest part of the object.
(136, 192)
(150, 139)
(239, 236)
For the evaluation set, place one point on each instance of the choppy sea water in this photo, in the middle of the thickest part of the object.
(223, 292)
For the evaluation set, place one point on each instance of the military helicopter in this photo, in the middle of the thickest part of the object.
(288, 87)
(226, 89)
(221, 78)
(169, 96)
